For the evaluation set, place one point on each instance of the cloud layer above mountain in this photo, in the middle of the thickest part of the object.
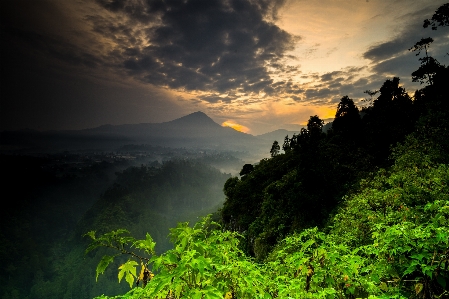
(262, 64)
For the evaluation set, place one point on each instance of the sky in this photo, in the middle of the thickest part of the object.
(255, 65)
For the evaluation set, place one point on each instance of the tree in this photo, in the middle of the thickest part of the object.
(286, 146)
(440, 18)
(347, 118)
(293, 142)
(388, 120)
(315, 125)
(429, 65)
(247, 169)
(389, 92)
(371, 93)
(275, 148)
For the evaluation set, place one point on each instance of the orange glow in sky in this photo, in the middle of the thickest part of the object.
(235, 126)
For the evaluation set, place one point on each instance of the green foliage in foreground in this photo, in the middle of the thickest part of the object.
(389, 240)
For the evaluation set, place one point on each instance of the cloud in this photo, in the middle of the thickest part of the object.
(392, 57)
(216, 51)
(217, 98)
(329, 88)
(318, 93)
(387, 59)
(210, 45)
(331, 75)
(227, 57)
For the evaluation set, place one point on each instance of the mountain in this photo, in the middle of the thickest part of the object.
(195, 125)
(193, 130)
(278, 135)
(194, 119)
(196, 130)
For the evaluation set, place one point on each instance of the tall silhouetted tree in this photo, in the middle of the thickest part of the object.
(389, 119)
(275, 148)
(429, 65)
(286, 146)
(315, 125)
(347, 119)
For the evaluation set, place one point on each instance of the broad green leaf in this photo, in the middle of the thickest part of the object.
(130, 279)
(128, 270)
(103, 264)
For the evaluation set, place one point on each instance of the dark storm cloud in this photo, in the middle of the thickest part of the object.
(330, 87)
(209, 45)
(214, 45)
(335, 84)
(389, 49)
(401, 66)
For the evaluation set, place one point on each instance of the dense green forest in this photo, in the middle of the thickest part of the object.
(42, 247)
(41, 208)
(361, 211)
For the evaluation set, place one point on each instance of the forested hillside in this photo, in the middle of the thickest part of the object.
(42, 203)
(42, 244)
(301, 187)
(361, 211)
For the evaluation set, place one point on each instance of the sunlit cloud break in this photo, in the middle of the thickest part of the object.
(235, 126)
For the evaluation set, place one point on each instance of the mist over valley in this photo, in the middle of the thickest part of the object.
(142, 177)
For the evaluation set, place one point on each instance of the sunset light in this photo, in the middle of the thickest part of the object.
(255, 66)
(235, 126)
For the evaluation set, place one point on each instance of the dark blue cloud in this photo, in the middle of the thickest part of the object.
(393, 56)
(207, 45)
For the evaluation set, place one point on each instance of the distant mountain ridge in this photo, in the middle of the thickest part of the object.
(278, 135)
(194, 120)
(196, 125)
(195, 130)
